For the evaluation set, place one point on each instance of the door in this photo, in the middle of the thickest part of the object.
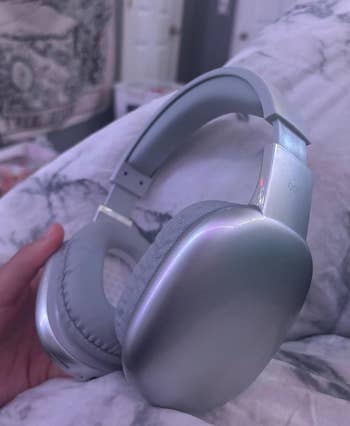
(206, 36)
(151, 39)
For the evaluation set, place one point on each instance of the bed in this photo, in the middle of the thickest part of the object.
(306, 54)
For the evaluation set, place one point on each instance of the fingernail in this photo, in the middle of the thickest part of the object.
(49, 232)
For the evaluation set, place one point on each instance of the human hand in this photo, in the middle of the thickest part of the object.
(23, 362)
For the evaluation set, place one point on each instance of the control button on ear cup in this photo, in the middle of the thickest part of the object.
(148, 264)
(216, 310)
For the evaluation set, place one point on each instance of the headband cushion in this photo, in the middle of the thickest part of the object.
(152, 259)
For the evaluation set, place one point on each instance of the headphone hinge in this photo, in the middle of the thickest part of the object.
(127, 177)
(290, 140)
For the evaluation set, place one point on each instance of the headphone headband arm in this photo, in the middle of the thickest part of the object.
(216, 93)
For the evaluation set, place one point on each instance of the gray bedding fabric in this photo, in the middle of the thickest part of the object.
(306, 54)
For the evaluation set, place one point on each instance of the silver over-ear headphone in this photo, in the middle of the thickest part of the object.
(211, 300)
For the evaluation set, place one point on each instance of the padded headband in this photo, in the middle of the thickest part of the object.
(216, 93)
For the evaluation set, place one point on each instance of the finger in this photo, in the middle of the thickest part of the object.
(34, 284)
(17, 273)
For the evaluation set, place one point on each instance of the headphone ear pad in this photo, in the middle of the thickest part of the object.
(152, 259)
(74, 276)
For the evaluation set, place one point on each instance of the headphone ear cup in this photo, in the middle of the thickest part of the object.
(152, 259)
(216, 310)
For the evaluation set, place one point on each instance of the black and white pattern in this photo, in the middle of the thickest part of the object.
(307, 55)
(56, 63)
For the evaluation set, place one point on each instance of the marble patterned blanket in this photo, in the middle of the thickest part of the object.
(307, 55)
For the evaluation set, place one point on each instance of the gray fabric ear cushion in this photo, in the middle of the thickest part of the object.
(151, 260)
(86, 321)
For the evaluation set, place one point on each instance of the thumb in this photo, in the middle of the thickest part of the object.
(17, 273)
